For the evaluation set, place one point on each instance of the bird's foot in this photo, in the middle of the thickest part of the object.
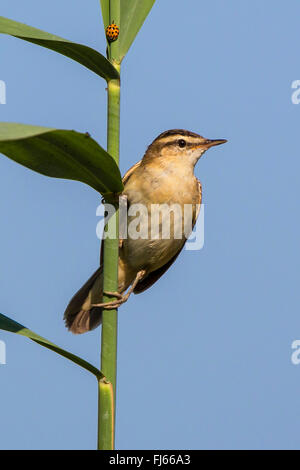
(113, 294)
(121, 298)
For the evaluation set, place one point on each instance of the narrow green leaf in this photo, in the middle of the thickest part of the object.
(85, 55)
(133, 15)
(7, 324)
(61, 154)
(114, 17)
(105, 12)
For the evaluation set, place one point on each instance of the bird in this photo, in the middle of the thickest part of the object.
(164, 176)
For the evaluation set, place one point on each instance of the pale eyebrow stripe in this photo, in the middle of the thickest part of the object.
(175, 142)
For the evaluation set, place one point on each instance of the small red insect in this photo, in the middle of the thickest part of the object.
(112, 32)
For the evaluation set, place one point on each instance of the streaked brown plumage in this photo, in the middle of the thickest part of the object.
(165, 175)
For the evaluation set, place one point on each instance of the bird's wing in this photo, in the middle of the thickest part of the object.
(152, 277)
(124, 180)
(130, 171)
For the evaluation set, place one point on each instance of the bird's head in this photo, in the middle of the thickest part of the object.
(179, 144)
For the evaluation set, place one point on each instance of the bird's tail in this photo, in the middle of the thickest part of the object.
(79, 316)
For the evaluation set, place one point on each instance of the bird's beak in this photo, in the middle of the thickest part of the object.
(211, 143)
(207, 143)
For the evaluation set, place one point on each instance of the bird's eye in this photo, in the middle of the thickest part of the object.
(181, 143)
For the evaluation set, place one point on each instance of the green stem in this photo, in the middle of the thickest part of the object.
(107, 388)
(106, 426)
(110, 271)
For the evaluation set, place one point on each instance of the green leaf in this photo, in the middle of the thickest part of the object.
(105, 12)
(61, 154)
(85, 55)
(133, 15)
(7, 324)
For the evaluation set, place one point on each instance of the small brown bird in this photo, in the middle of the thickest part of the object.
(165, 175)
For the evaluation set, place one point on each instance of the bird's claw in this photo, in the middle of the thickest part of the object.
(121, 299)
(113, 294)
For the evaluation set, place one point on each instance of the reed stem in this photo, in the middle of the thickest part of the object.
(107, 388)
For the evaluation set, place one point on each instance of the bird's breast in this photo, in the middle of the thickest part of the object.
(157, 197)
(159, 184)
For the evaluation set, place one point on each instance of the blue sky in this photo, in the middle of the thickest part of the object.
(205, 355)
